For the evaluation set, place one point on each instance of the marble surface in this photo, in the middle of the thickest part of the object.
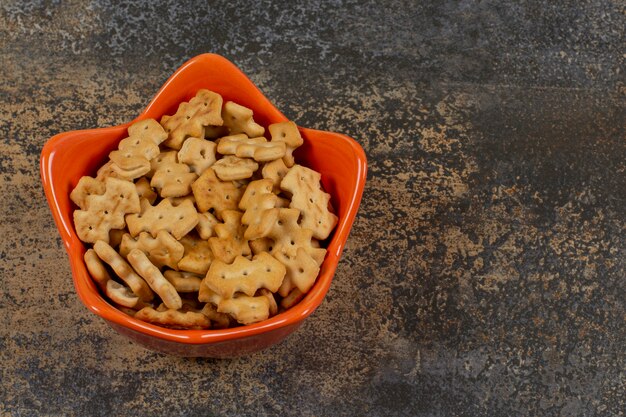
(485, 273)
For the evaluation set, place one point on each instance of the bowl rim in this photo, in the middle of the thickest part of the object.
(95, 302)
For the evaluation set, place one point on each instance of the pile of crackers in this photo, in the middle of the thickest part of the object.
(201, 222)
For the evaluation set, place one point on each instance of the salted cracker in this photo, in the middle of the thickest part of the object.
(139, 287)
(198, 153)
(142, 144)
(292, 245)
(287, 133)
(177, 220)
(239, 119)
(244, 275)
(257, 202)
(206, 225)
(231, 168)
(198, 255)
(162, 250)
(308, 197)
(173, 180)
(218, 320)
(86, 186)
(175, 319)
(106, 211)
(213, 194)
(230, 241)
(184, 282)
(192, 117)
(257, 148)
(246, 309)
(275, 171)
(163, 158)
(155, 279)
(144, 190)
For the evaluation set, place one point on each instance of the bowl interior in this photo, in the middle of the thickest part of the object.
(69, 156)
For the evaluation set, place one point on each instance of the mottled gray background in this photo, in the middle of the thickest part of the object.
(485, 274)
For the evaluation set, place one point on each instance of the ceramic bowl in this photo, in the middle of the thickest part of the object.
(68, 156)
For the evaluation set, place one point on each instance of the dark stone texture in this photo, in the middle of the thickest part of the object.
(485, 274)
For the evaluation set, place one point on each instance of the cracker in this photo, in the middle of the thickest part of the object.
(230, 241)
(239, 119)
(302, 271)
(294, 297)
(218, 320)
(86, 186)
(96, 269)
(288, 236)
(206, 225)
(213, 194)
(105, 212)
(198, 153)
(263, 244)
(231, 168)
(144, 190)
(192, 117)
(174, 319)
(292, 245)
(142, 144)
(275, 171)
(173, 180)
(258, 202)
(258, 148)
(124, 174)
(198, 255)
(244, 275)
(123, 296)
(246, 309)
(207, 295)
(177, 220)
(308, 197)
(155, 279)
(287, 133)
(273, 307)
(164, 250)
(107, 254)
(183, 281)
(163, 158)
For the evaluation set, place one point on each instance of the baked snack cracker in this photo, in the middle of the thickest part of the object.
(135, 152)
(213, 194)
(177, 220)
(105, 212)
(139, 287)
(155, 279)
(173, 180)
(174, 319)
(230, 241)
(258, 148)
(162, 250)
(307, 196)
(287, 133)
(198, 255)
(86, 186)
(198, 153)
(246, 309)
(245, 275)
(231, 168)
(191, 118)
(239, 119)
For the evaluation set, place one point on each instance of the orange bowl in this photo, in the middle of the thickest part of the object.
(68, 156)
